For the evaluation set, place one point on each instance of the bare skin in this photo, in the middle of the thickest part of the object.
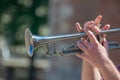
(96, 55)
(88, 70)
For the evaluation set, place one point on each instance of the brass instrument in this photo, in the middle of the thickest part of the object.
(33, 42)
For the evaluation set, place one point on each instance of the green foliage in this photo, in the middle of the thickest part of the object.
(16, 15)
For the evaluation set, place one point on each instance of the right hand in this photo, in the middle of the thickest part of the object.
(94, 26)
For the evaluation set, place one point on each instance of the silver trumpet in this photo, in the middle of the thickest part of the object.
(33, 42)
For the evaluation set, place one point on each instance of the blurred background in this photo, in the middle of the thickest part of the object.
(49, 17)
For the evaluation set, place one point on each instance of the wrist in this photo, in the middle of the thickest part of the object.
(109, 71)
(106, 63)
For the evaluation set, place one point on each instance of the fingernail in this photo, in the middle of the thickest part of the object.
(107, 26)
(77, 24)
(100, 16)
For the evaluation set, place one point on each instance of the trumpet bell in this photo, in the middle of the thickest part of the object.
(29, 42)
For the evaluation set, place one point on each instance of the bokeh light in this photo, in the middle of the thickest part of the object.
(26, 3)
(41, 11)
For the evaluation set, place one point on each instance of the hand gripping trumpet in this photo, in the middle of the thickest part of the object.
(33, 42)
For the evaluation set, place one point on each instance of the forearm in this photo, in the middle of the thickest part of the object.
(109, 71)
(89, 72)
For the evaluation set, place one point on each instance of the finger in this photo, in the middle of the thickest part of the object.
(78, 27)
(86, 43)
(105, 44)
(81, 55)
(95, 29)
(84, 57)
(89, 24)
(86, 24)
(98, 20)
(106, 27)
(81, 46)
(91, 36)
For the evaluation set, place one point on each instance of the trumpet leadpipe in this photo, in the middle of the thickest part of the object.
(46, 39)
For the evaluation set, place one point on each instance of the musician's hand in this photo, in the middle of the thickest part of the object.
(95, 27)
(94, 52)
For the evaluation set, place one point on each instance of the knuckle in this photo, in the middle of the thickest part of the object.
(96, 45)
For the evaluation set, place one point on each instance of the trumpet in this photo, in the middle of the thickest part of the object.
(32, 42)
